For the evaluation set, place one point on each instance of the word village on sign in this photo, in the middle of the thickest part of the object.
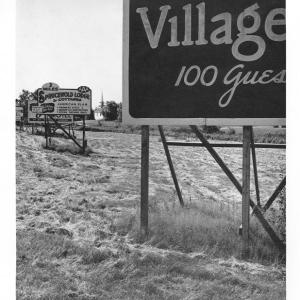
(204, 62)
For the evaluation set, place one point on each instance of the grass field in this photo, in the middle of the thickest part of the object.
(262, 134)
(78, 223)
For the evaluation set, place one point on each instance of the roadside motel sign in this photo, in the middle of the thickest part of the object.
(65, 101)
(204, 62)
(35, 116)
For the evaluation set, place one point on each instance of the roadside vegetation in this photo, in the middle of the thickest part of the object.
(207, 226)
(78, 228)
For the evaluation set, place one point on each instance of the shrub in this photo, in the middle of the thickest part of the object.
(110, 111)
(210, 129)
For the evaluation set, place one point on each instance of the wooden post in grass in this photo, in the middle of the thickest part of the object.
(167, 152)
(83, 135)
(144, 181)
(246, 190)
(46, 131)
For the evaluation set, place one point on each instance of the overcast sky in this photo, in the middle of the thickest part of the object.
(71, 43)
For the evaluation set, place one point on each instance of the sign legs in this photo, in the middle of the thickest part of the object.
(246, 190)
(167, 152)
(144, 181)
(46, 131)
(254, 163)
(66, 132)
(83, 135)
(256, 210)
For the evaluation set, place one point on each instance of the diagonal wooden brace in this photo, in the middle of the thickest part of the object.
(167, 152)
(255, 208)
(275, 194)
(60, 127)
(255, 167)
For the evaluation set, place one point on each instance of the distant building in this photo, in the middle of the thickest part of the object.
(98, 114)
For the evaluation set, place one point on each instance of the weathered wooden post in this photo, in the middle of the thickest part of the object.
(46, 131)
(246, 190)
(167, 152)
(144, 181)
(83, 135)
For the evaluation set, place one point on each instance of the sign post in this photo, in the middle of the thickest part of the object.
(46, 132)
(83, 135)
(144, 181)
(53, 101)
(246, 189)
(210, 62)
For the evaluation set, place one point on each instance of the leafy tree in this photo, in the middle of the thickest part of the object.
(210, 129)
(22, 100)
(110, 111)
(91, 115)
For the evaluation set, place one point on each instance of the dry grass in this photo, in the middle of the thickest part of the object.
(207, 226)
(74, 214)
(50, 266)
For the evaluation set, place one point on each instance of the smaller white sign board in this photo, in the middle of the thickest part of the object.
(65, 101)
(34, 116)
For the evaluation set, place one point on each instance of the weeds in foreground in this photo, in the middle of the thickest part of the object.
(204, 226)
(51, 266)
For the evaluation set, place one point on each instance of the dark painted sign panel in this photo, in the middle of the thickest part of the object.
(204, 62)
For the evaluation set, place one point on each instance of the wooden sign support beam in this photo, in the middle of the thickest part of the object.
(226, 145)
(254, 167)
(83, 136)
(256, 209)
(64, 130)
(46, 132)
(246, 190)
(275, 194)
(167, 152)
(144, 181)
